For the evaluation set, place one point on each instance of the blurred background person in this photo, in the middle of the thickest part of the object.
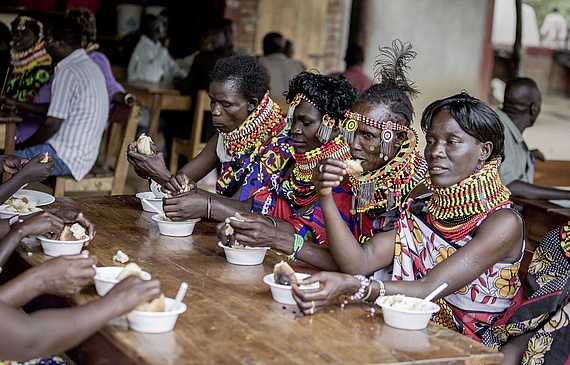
(554, 30)
(354, 59)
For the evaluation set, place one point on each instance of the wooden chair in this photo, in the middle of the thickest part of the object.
(110, 171)
(193, 146)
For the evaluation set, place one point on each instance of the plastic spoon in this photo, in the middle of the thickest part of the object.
(181, 292)
(432, 295)
(151, 207)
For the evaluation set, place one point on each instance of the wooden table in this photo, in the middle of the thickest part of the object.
(231, 317)
(157, 97)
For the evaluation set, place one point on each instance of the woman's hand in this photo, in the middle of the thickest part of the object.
(41, 223)
(148, 166)
(70, 217)
(35, 171)
(130, 292)
(12, 164)
(256, 230)
(328, 173)
(332, 285)
(65, 275)
(185, 206)
(179, 183)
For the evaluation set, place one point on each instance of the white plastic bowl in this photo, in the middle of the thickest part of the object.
(149, 196)
(106, 278)
(407, 319)
(156, 322)
(244, 256)
(5, 214)
(282, 293)
(176, 229)
(60, 248)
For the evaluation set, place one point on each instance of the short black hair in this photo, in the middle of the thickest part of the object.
(332, 95)
(68, 31)
(249, 76)
(273, 43)
(474, 117)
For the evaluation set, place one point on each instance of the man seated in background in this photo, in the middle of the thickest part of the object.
(79, 107)
(280, 68)
(150, 60)
(354, 60)
(521, 107)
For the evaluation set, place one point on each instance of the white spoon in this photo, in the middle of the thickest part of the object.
(151, 207)
(181, 292)
(432, 295)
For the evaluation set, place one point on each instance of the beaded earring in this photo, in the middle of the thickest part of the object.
(349, 128)
(386, 143)
(291, 110)
(325, 129)
(478, 168)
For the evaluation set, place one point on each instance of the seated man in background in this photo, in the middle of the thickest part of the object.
(150, 60)
(354, 59)
(79, 107)
(521, 107)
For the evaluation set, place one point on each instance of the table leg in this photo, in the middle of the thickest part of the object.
(9, 144)
(154, 116)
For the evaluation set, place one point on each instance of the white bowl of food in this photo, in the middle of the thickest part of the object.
(169, 227)
(7, 211)
(156, 321)
(244, 255)
(60, 248)
(106, 277)
(70, 242)
(406, 313)
(282, 293)
(153, 200)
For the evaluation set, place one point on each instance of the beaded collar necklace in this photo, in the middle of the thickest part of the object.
(456, 210)
(261, 125)
(28, 58)
(299, 188)
(385, 187)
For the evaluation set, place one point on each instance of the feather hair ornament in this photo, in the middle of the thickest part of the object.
(391, 66)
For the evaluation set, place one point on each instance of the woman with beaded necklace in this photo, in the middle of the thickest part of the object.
(295, 226)
(252, 143)
(378, 130)
(466, 235)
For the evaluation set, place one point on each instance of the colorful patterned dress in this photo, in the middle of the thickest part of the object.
(256, 152)
(546, 309)
(472, 309)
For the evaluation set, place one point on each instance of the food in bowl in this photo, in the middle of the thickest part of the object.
(155, 305)
(20, 205)
(284, 274)
(106, 277)
(152, 199)
(60, 248)
(156, 322)
(168, 227)
(282, 293)
(407, 313)
(72, 232)
(244, 255)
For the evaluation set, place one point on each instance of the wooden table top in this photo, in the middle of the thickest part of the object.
(231, 316)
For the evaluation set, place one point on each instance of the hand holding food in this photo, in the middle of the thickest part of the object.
(130, 269)
(44, 157)
(284, 274)
(74, 232)
(144, 144)
(155, 305)
(354, 167)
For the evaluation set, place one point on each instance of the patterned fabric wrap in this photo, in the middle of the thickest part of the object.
(30, 70)
(53, 360)
(546, 309)
(471, 309)
(283, 198)
(259, 149)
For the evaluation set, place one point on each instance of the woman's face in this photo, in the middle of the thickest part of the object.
(229, 106)
(451, 153)
(366, 144)
(306, 122)
(24, 39)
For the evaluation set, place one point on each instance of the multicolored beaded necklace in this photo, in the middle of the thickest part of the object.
(456, 210)
(260, 126)
(385, 187)
(299, 188)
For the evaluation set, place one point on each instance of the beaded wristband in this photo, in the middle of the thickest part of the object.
(299, 241)
(364, 284)
(382, 287)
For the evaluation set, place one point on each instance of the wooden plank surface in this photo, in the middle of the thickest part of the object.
(231, 317)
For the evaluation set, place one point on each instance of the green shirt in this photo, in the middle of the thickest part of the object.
(518, 164)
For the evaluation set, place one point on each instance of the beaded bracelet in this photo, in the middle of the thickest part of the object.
(382, 287)
(299, 241)
(364, 284)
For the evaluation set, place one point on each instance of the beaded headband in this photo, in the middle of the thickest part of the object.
(350, 125)
(23, 19)
(327, 123)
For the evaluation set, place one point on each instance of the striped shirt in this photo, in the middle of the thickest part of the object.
(79, 97)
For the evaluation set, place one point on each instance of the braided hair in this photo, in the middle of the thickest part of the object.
(394, 89)
(332, 95)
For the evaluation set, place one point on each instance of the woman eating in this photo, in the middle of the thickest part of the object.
(466, 235)
(252, 144)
